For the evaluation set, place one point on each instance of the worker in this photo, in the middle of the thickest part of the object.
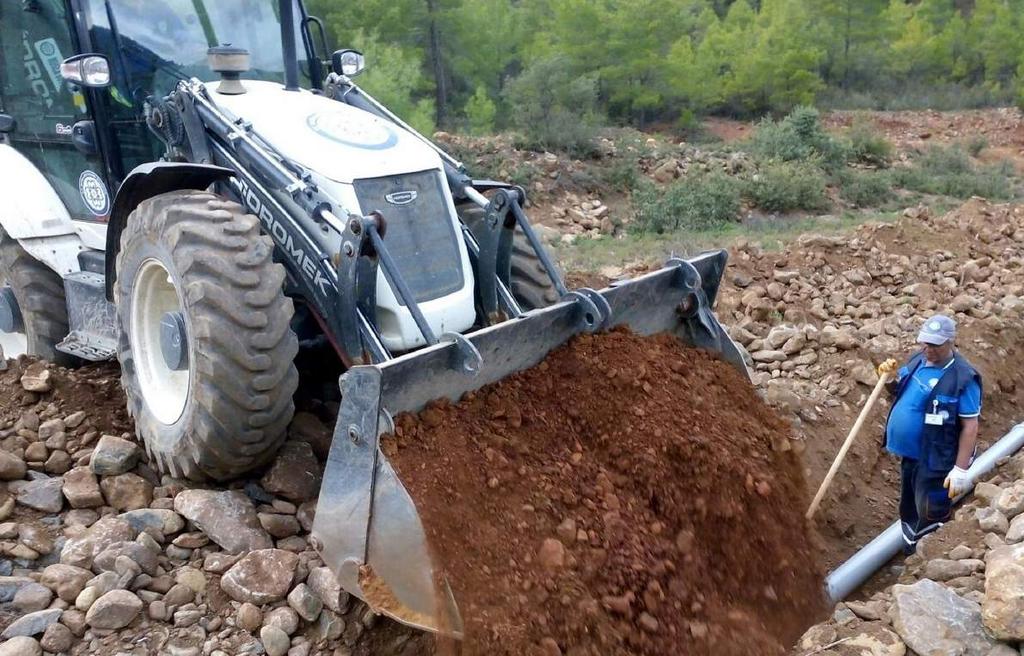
(933, 428)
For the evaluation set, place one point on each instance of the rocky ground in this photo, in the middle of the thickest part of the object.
(101, 555)
(961, 594)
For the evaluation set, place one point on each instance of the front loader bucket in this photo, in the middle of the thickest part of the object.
(367, 528)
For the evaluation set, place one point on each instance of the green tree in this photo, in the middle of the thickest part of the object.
(480, 112)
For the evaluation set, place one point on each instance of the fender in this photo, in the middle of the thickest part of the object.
(31, 206)
(147, 181)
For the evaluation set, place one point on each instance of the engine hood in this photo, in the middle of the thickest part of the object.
(335, 140)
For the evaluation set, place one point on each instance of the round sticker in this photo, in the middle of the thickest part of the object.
(94, 193)
(934, 325)
(338, 126)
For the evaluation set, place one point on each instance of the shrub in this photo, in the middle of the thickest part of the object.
(948, 171)
(480, 112)
(798, 137)
(623, 175)
(867, 146)
(788, 186)
(554, 108)
(866, 188)
(976, 144)
(697, 202)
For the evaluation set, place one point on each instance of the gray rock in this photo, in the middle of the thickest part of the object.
(229, 518)
(33, 597)
(44, 494)
(330, 626)
(81, 488)
(304, 602)
(12, 468)
(167, 522)
(325, 586)
(114, 610)
(21, 646)
(31, 624)
(279, 526)
(127, 491)
(960, 552)
(275, 641)
(66, 580)
(991, 520)
(105, 532)
(932, 619)
(261, 577)
(295, 474)
(986, 491)
(283, 618)
(1002, 609)
(9, 586)
(113, 455)
(941, 569)
(106, 560)
(1015, 533)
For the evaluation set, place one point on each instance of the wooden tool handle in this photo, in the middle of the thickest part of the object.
(875, 393)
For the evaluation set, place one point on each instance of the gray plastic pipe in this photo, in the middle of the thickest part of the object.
(850, 575)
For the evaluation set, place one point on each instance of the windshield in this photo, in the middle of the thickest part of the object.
(152, 43)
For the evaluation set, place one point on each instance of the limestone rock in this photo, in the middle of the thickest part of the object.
(295, 474)
(932, 619)
(249, 617)
(57, 639)
(275, 641)
(991, 520)
(21, 645)
(113, 455)
(1002, 609)
(127, 491)
(33, 597)
(37, 378)
(108, 530)
(81, 488)
(941, 569)
(65, 580)
(305, 603)
(114, 610)
(1010, 501)
(12, 468)
(261, 577)
(324, 584)
(229, 518)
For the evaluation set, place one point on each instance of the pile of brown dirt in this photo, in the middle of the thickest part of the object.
(628, 495)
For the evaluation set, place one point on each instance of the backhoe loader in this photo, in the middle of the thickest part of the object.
(263, 201)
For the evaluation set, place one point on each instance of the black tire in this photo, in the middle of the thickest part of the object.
(531, 285)
(40, 294)
(241, 349)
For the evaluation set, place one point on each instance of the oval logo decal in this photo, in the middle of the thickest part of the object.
(401, 197)
(338, 126)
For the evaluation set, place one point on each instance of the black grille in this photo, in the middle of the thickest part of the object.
(419, 236)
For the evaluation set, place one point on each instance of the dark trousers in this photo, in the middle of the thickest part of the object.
(924, 502)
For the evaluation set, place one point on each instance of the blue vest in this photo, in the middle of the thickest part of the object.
(940, 443)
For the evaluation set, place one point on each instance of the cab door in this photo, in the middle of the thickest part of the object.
(35, 36)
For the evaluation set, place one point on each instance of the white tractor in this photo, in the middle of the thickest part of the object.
(260, 196)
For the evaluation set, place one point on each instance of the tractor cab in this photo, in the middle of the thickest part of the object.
(86, 140)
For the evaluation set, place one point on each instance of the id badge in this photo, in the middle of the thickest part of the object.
(933, 419)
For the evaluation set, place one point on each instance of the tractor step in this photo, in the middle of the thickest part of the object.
(91, 317)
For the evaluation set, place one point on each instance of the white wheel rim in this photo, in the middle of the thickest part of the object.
(164, 390)
(13, 344)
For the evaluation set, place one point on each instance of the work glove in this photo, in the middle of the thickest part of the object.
(886, 367)
(957, 482)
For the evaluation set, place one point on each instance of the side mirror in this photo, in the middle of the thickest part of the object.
(348, 62)
(88, 70)
(7, 124)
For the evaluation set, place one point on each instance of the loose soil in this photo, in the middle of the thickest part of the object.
(628, 495)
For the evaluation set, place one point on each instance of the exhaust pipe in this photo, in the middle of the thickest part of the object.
(851, 574)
